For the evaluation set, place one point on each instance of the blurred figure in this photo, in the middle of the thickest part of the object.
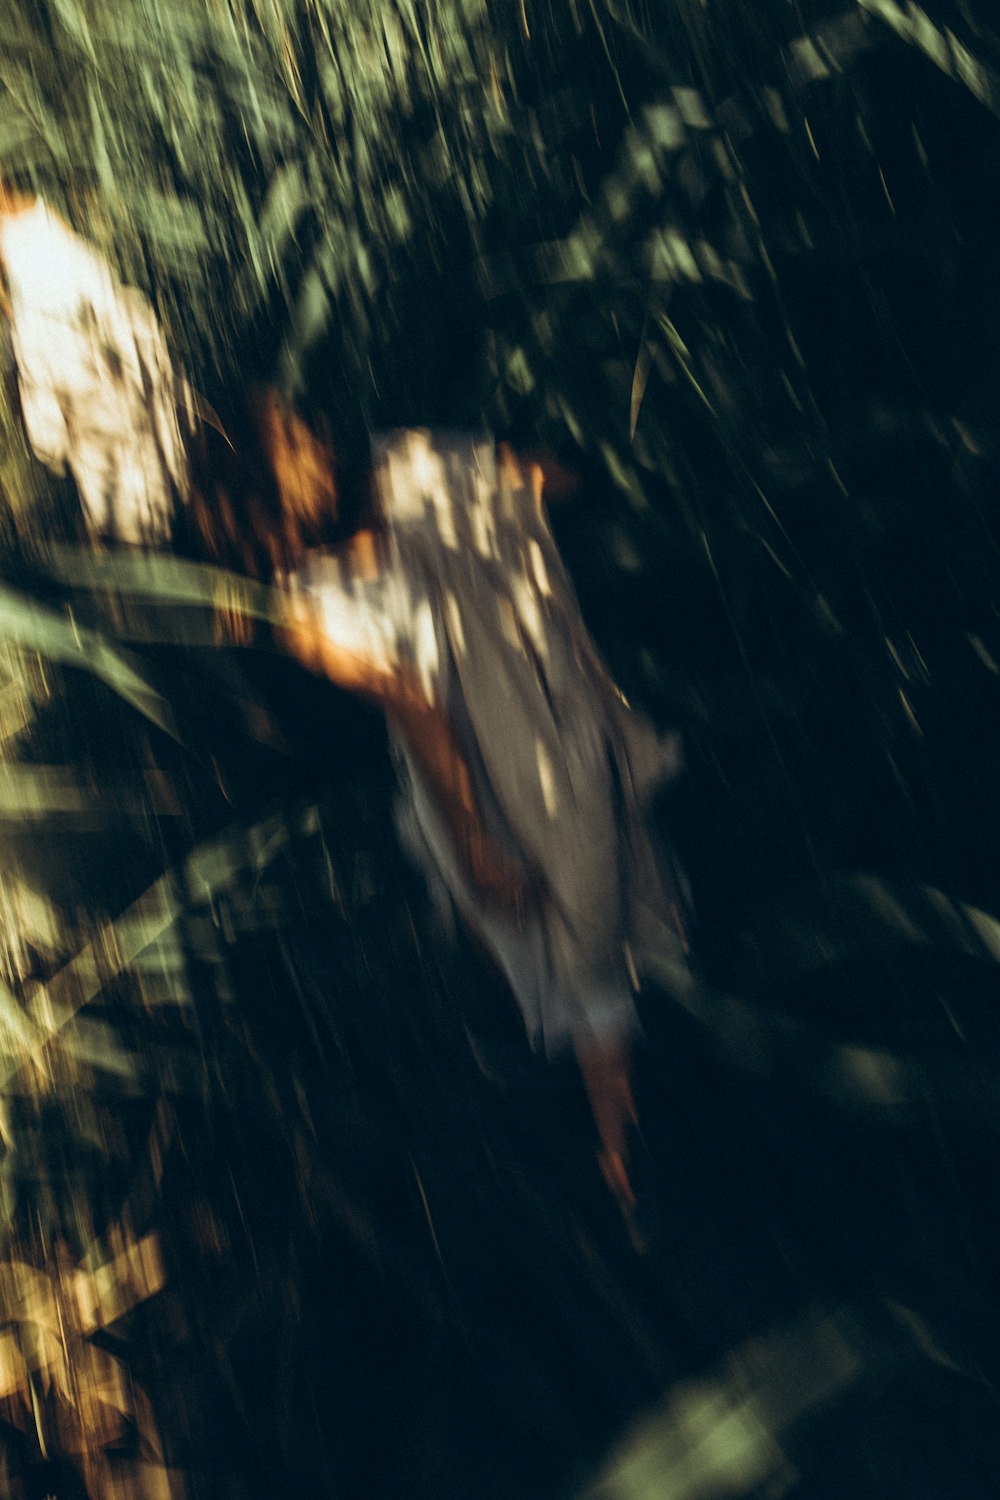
(525, 775)
(99, 393)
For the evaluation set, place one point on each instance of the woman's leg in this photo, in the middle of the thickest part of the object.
(605, 1066)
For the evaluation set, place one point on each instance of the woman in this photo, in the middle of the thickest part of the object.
(524, 774)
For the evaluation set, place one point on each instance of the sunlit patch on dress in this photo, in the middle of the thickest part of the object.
(428, 657)
(529, 613)
(455, 623)
(546, 779)
(538, 569)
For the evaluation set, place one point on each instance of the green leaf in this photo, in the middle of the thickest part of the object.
(30, 625)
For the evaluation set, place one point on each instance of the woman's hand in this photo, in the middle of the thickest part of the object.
(303, 636)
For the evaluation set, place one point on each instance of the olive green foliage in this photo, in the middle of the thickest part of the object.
(740, 262)
(228, 151)
(624, 206)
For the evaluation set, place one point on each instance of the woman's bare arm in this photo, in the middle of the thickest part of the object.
(430, 738)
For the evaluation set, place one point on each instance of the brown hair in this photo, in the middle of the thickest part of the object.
(264, 487)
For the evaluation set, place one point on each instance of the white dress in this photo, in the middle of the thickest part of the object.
(473, 597)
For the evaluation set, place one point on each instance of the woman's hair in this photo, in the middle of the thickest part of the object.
(263, 487)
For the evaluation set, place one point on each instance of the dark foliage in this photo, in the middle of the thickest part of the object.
(738, 264)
